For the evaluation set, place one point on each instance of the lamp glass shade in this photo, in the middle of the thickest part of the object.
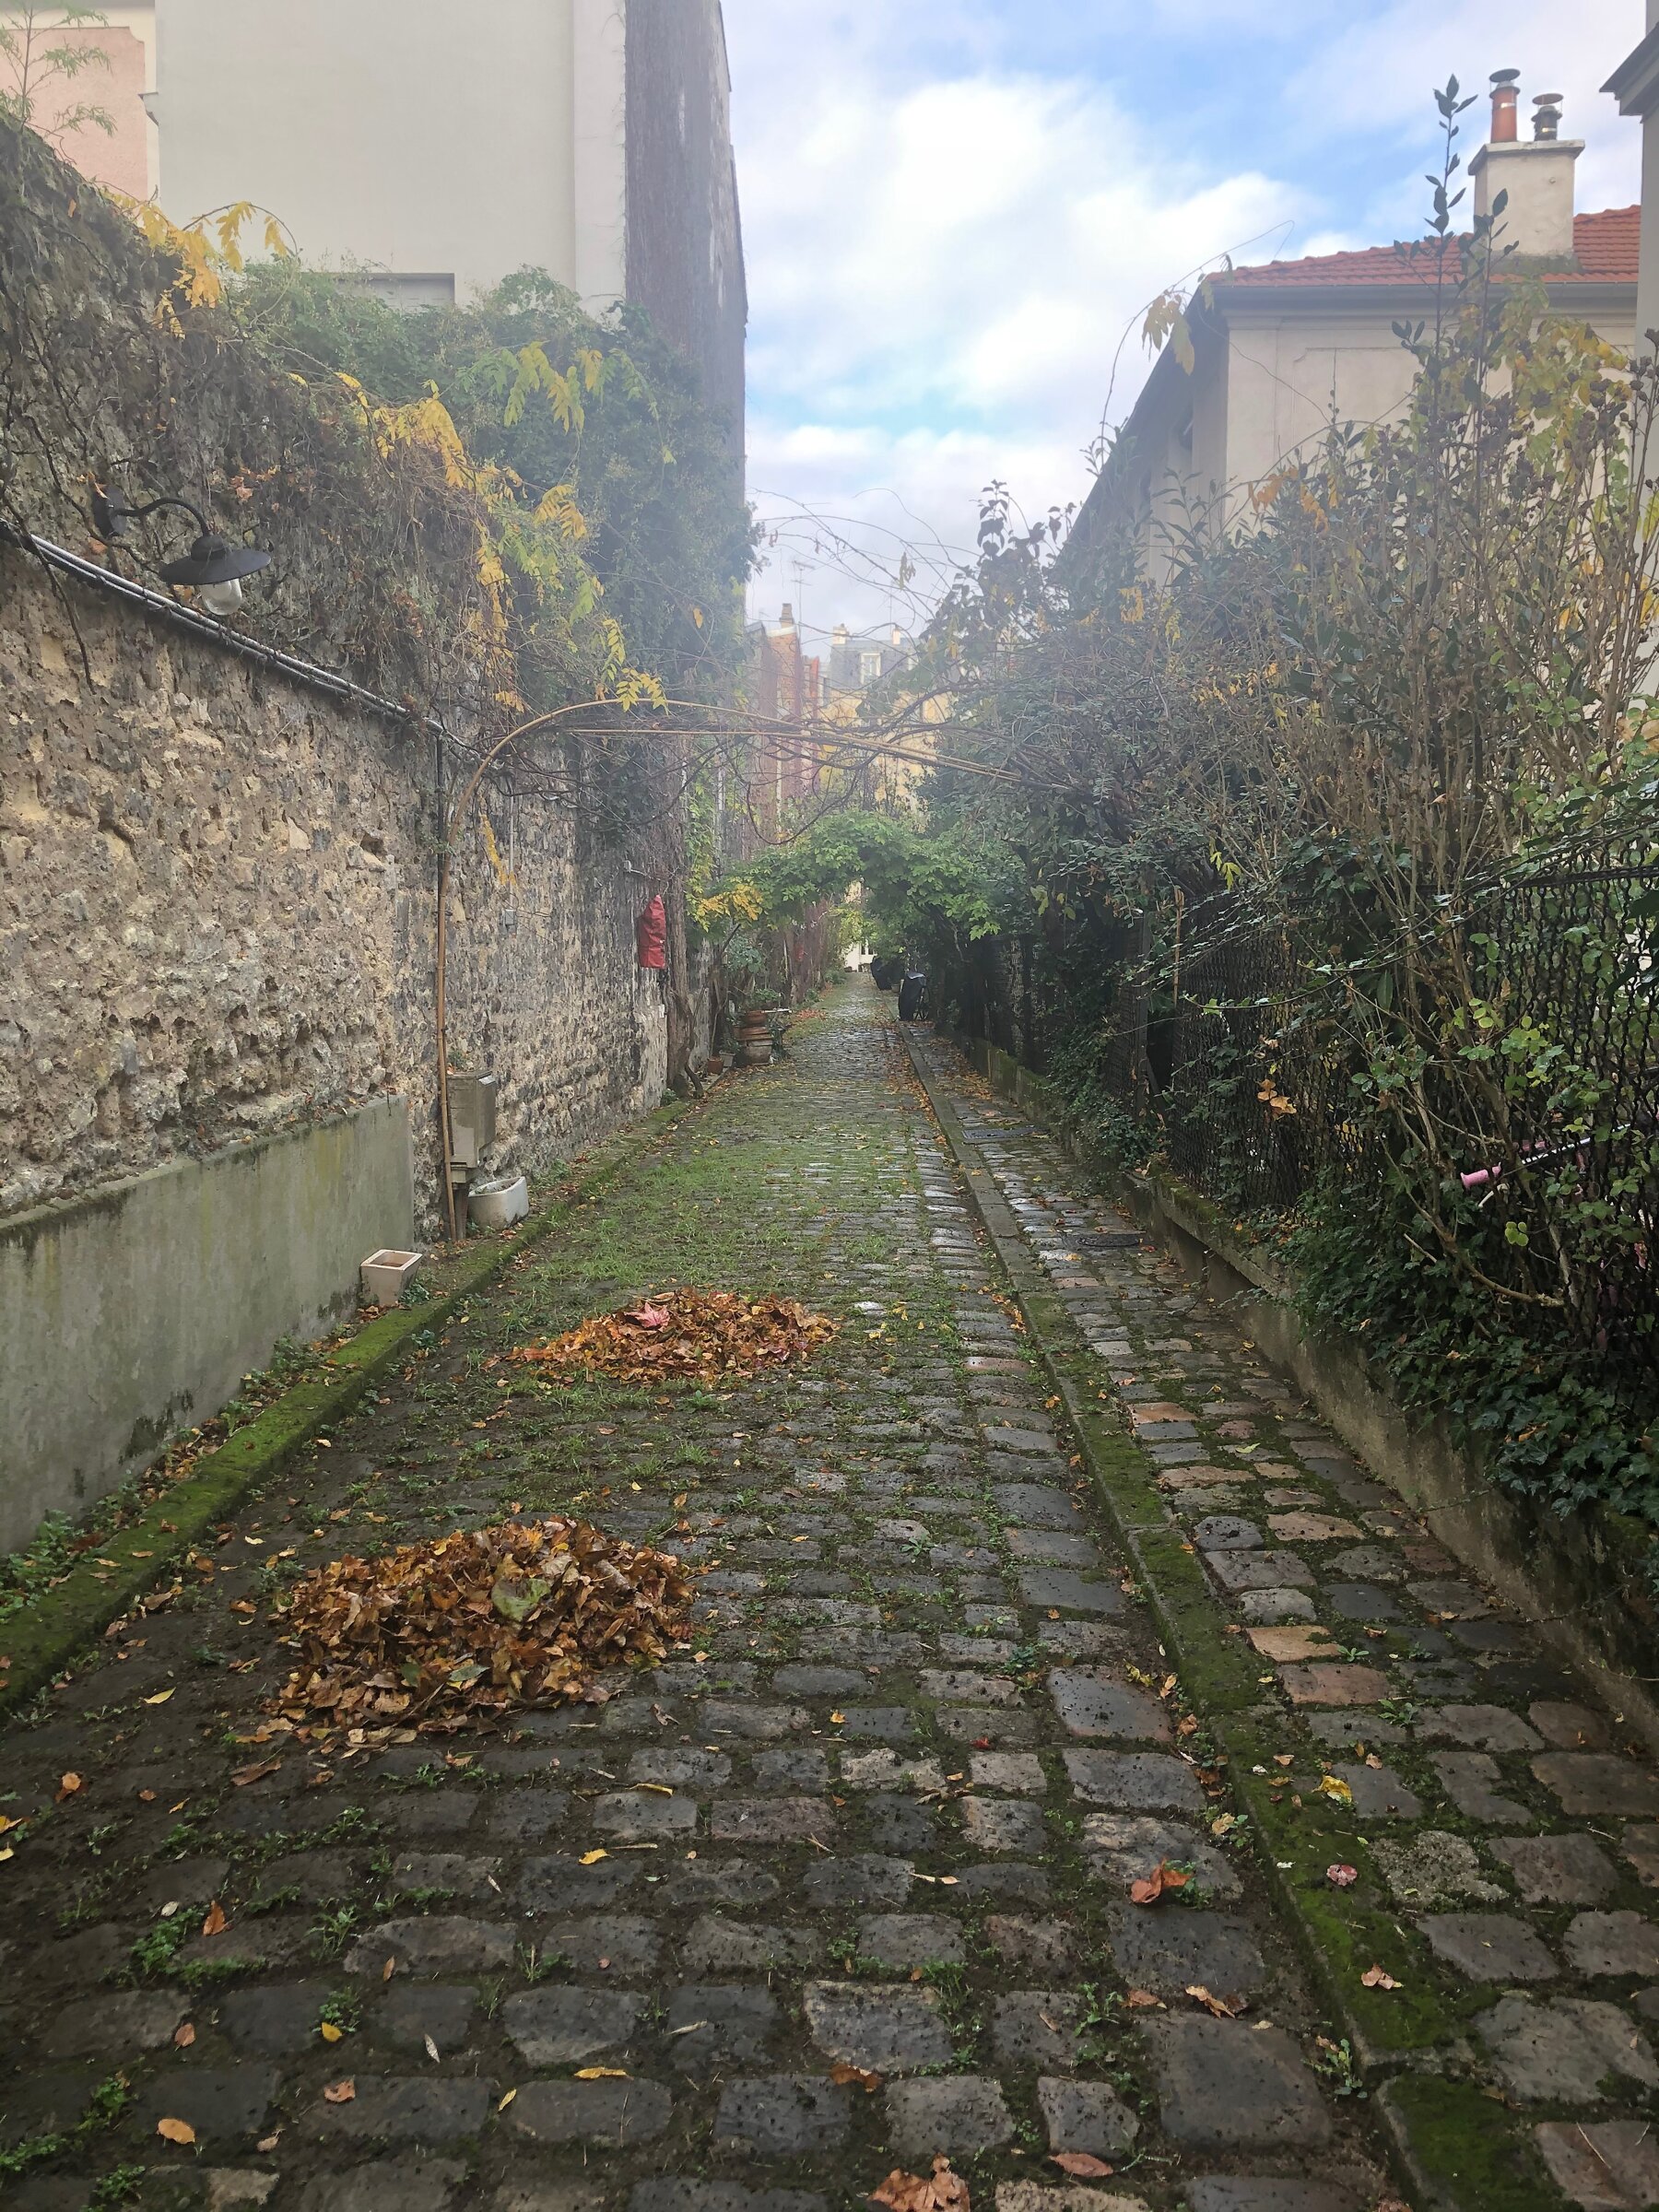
(213, 560)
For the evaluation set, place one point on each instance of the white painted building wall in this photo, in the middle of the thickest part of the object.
(412, 137)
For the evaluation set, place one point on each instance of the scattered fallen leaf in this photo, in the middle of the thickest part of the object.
(506, 2100)
(836, 1719)
(67, 1787)
(1151, 1887)
(340, 2092)
(1082, 2165)
(243, 1776)
(215, 1923)
(1220, 2008)
(1374, 1978)
(602, 2073)
(591, 1858)
(388, 1969)
(1333, 1786)
(1342, 1877)
(176, 2131)
(869, 2083)
(184, 2034)
(160, 1697)
(943, 2191)
(268, 2143)
(431, 2050)
(1137, 1999)
(329, 2031)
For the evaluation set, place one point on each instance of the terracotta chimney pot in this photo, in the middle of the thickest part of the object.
(1505, 128)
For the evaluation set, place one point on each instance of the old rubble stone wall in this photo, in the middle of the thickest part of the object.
(217, 893)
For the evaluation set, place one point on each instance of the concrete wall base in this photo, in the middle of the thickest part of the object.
(134, 1311)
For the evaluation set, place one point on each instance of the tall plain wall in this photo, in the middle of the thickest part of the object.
(132, 1313)
(217, 922)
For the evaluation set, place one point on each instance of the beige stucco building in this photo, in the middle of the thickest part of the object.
(1282, 351)
(430, 148)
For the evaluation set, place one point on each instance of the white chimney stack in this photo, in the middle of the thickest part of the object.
(1535, 175)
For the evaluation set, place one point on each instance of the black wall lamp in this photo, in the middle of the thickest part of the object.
(214, 568)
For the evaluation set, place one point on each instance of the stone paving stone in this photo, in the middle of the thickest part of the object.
(1222, 2084)
(734, 1947)
(754, 1821)
(547, 1885)
(1569, 1727)
(1334, 1685)
(421, 2108)
(884, 2027)
(1067, 1590)
(1469, 1779)
(783, 2116)
(1017, 1773)
(224, 2104)
(1086, 2115)
(1561, 2049)
(1477, 1728)
(1091, 1701)
(963, 2115)
(612, 2114)
(1488, 1947)
(713, 2023)
(1612, 1943)
(910, 1939)
(116, 2024)
(996, 1824)
(1606, 2166)
(435, 1944)
(391, 2184)
(1557, 1870)
(409, 2014)
(1037, 2027)
(1135, 1781)
(1239, 1571)
(1126, 1848)
(623, 1944)
(274, 2022)
(1031, 1946)
(1434, 1868)
(1584, 1781)
(563, 2027)
(862, 1879)
(1167, 1952)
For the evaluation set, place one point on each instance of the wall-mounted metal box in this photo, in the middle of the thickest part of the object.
(472, 1111)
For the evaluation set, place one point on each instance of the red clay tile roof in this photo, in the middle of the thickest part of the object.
(1606, 245)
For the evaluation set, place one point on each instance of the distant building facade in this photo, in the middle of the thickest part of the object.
(858, 663)
(1282, 350)
(432, 147)
(786, 696)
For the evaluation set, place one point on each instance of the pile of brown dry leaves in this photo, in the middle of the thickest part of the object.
(707, 1336)
(472, 1625)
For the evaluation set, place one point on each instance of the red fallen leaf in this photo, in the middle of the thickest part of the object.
(842, 2076)
(943, 2191)
(340, 2092)
(215, 1923)
(1081, 2164)
(1151, 1887)
(982, 1743)
(1342, 1878)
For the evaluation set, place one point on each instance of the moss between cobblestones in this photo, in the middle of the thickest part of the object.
(44, 1634)
(1455, 2140)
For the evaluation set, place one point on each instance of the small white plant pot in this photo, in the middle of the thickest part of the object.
(499, 1204)
(383, 1275)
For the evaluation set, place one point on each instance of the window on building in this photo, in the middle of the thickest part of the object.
(869, 667)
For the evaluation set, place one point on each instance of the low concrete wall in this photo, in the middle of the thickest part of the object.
(1580, 1578)
(136, 1310)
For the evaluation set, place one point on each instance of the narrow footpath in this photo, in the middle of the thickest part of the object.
(850, 1886)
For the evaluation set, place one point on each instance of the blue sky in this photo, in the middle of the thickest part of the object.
(954, 211)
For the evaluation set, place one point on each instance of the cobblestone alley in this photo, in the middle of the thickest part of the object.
(849, 1885)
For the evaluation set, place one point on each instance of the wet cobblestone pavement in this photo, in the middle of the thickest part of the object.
(849, 1885)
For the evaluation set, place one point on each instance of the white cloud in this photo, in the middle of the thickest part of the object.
(954, 218)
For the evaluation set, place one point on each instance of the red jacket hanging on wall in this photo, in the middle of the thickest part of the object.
(650, 933)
